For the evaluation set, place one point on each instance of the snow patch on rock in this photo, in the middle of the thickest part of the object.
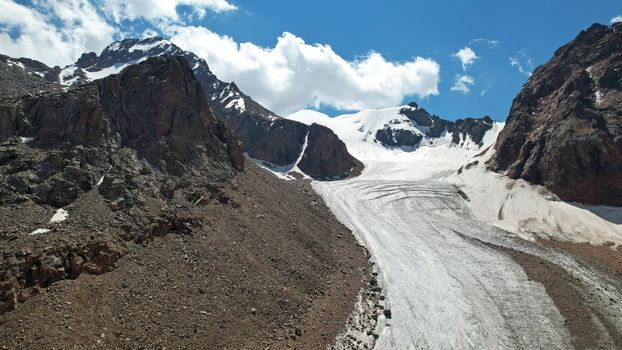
(60, 216)
(598, 96)
(39, 231)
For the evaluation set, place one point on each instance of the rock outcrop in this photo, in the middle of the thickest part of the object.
(564, 130)
(20, 76)
(326, 154)
(396, 137)
(265, 135)
(154, 115)
(473, 128)
(408, 133)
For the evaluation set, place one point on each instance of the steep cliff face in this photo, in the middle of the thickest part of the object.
(154, 115)
(327, 154)
(265, 135)
(564, 130)
(277, 141)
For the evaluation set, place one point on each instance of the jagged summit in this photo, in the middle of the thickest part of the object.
(404, 127)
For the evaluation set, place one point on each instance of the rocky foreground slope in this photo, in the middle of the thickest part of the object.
(564, 130)
(130, 219)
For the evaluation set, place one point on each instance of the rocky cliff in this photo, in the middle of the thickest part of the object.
(155, 111)
(564, 129)
(326, 154)
(129, 140)
(265, 135)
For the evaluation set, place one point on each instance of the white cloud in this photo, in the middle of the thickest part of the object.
(287, 77)
(514, 61)
(293, 74)
(81, 29)
(462, 83)
(166, 10)
(491, 43)
(616, 19)
(149, 33)
(467, 57)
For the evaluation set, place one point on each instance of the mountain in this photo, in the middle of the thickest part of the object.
(128, 196)
(23, 75)
(133, 131)
(564, 129)
(404, 128)
(266, 136)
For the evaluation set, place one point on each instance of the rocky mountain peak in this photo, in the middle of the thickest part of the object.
(152, 118)
(20, 76)
(564, 130)
(420, 126)
(156, 107)
(264, 138)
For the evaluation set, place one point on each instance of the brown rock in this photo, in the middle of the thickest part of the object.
(326, 156)
(564, 130)
(156, 107)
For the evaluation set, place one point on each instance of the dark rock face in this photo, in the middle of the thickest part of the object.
(475, 128)
(564, 130)
(326, 155)
(157, 108)
(20, 76)
(439, 126)
(398, 137)
(419, 115)
(138, 128)
(278, 141)
(265, 135)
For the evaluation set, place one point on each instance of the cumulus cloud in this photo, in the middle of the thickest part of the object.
(54, 32)
(466, 56)
(462, 83)
(286, 77)
(616, 19)
(293, 74)
(162, 9)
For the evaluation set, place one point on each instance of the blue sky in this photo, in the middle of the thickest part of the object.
(398, 31)
(435, 29)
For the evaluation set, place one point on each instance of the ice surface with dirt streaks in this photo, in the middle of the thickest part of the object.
(445, 290)
(426, 225)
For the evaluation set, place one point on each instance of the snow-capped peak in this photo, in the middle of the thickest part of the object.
(387, 132)
(146, 46)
